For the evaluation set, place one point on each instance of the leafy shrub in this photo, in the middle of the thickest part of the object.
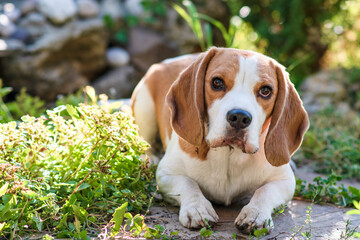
(333, 142)
(24, 104)
(70, 174)
(326, 190)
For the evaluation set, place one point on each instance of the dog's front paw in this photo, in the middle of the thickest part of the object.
(194, 213)
(251, 218)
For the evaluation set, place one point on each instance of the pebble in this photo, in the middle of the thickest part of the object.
(58, 11)
(7, 27)
(117, 57)
(88, 8)
(27, 6)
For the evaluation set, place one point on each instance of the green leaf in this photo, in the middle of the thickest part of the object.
(77, 225)
(47, 237)
(90, 91)
(83, 186)
(3, 189)
(261, 232)
(118, 217)
(72, 112)
(38, 221)
(5, 91)
(2, 225)
(354, 211)
(205, 232)
(80, 212)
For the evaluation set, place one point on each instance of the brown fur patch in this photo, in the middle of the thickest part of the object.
(225, 66)
(159, 79)
(288, 124)
(199, 152)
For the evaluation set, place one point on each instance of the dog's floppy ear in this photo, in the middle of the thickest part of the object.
(187, 101)
(289, 122)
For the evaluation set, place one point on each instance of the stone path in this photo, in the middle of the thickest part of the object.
(327, 221)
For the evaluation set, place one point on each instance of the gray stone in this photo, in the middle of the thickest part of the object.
(7, 27)
(59, 62)
(10, 46)
(147, 47)
(112, 8)
(117, 83)
(57, 11)
(134, 7)
(323, 89)
(88, 8)
(27, 6)
(117, 57)
(12, 12)
(327, 222)
(35, 24)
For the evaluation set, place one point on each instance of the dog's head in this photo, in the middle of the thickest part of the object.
(230, 97)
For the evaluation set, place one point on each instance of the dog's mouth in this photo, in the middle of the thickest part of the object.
(239, 142)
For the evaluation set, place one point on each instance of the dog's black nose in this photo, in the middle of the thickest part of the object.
(238, 119)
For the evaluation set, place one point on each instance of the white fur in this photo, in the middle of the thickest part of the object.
(241, 96)
(227, 175)
(144, 111)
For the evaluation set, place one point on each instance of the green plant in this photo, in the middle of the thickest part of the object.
(23, 104)
(326, 190)
(352, 232)
(333, 145)
(238, 35)
(69, 174)
(305, 234)
(192, 19)
(135, 226)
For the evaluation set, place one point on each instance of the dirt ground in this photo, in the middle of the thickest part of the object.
(327, 221)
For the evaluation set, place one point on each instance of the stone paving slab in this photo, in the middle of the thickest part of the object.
(327, 222)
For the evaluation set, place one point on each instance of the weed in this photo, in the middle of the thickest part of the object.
(135, 226)
(326, 190)
(334, 146)
(24, 104)
(69, 174)
(279, 210)
(238, 35)
(349, 231)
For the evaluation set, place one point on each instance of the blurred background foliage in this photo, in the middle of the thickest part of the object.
(303, 35)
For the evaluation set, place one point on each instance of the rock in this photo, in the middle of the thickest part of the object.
(28, 6)
(59, 62)
(12, 12)
(134, 7)
(10, 46)
(117, 83)
(179, 32)
(88, 8)
(35, 24)
(57, 11)
(117, 57)
(6, 26)
(147, 47)
(22, 35)
(323, 89)
(112, 8)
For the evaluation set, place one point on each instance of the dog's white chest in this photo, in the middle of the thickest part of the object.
(227, 174)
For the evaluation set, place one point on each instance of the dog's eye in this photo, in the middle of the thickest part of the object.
(265, 92)
(217, 84)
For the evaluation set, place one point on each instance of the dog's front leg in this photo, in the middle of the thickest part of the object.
(257, 213)
(195, 209)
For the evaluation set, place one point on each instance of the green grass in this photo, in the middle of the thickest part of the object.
(333, 144)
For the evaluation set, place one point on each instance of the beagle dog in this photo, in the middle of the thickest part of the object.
(229, 121)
